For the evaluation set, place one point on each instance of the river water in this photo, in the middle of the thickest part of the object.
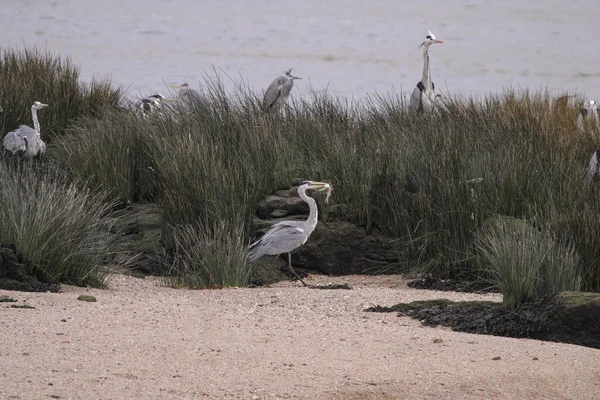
(351, 48)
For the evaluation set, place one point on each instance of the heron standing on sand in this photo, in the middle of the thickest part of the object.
(423, 96)
(286, 236)
(279, 90)
(26, 142)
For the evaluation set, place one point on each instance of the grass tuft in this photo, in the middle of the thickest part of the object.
(56, 227)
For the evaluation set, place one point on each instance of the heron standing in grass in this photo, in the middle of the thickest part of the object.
(423, 97)
(186, 94)
(593, 172)
(26, 142)
(590, 111)
(279, 90)
(286, 236)
(151, 103)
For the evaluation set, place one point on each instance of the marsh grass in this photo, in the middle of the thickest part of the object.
(524, 263)
(27, 75)
(426, 181)
(56, 227)
(109, 153)
(212, 257)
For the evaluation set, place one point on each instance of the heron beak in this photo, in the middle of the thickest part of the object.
(43, 105)
(321, 186)
(177, 86)
(438, 41)
(295, 77)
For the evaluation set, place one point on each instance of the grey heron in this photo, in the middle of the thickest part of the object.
(590, 111)
(153, 102)
(285, 236)
(423, 96)
(594, 167)
(279, 90)
(186, 94)
(26, 142)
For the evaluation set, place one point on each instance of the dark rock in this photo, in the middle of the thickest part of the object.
(294, 206)
(454, 285)
(576, 321)
(340, 247)
(279, 214)
(569, 317)
(137, 237)
(85, 297)
(18, 275)
(282, 193)
(268, 204)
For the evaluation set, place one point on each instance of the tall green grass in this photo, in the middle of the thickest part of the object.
(56, 227)
(426, 181)
(110, 153)
(27, 75)
(524, 263)
(209, 257)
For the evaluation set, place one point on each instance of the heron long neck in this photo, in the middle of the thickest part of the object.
(313, 215)
(36, 123)
(426, 79)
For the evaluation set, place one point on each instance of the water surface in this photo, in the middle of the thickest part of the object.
(350, 47)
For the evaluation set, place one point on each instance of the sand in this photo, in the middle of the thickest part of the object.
(144, 341)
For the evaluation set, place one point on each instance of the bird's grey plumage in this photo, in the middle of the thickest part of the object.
(593, 172)
(423, 97)
(187, 94)
(25, 141)
(590, 111)
(286, 236)
(152, 103)
(279, 90)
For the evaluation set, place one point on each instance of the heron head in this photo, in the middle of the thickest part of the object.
(38, 106)
(430, 39)
(289, 74)
(158, 97)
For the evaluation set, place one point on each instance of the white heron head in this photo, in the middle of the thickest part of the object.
(289, 74)
(38, 106)
(592, 104)
(157, 98)
(430, 39)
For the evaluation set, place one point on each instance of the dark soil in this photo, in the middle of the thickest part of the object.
(565, 318)
(452, 285)
(488, 318)
(17, 274)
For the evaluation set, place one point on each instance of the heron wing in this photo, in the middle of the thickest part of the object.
(285, 87)
(415, 98)
(190, 95)
(282, 237)
(20, 140)
(14, 143)
(42, 147)
(580, 119)
(592, 171)
(273, 92)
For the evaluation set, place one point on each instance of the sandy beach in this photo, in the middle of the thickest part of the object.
(141, 340)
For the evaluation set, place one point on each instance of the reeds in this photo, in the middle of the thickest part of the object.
(426, 181)
(27, 75)
(56, 228)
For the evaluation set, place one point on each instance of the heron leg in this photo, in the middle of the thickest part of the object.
(292, 269)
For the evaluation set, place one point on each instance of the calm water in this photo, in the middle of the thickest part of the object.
(350, 47)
